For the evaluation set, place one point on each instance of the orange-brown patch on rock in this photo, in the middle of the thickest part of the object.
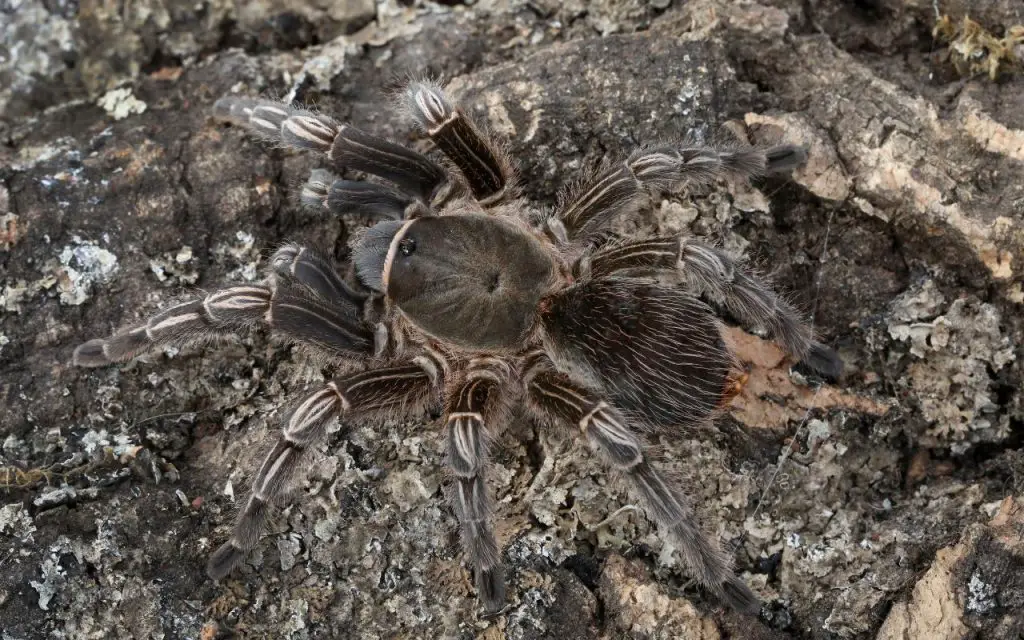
(770, 399)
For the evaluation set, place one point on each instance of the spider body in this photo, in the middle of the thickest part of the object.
(469, 280)
(465, 298)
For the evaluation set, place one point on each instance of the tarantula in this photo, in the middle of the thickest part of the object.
(466, 298)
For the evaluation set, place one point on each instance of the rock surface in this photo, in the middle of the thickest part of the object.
(886, 506)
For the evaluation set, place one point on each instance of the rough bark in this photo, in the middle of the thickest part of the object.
(887, 505)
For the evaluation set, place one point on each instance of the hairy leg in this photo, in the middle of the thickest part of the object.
(344, 145)
(401, 389)
(471, 409)
(622, 188)
(710, 271)
(305, 301)
(559, 400)
(487, 170)
(309, 268)
(356, 197)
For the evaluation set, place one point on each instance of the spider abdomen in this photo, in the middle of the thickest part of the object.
(656, 350)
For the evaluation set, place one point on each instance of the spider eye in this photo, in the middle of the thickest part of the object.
(407, 246)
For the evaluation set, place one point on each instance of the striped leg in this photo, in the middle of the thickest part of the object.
(402, 389)
(559, 400)
(345, 146)
(710, 271)
(487, 170)
(622, 188)
(289, 311)
(468, 416)
(369, 200)
(314, 271)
